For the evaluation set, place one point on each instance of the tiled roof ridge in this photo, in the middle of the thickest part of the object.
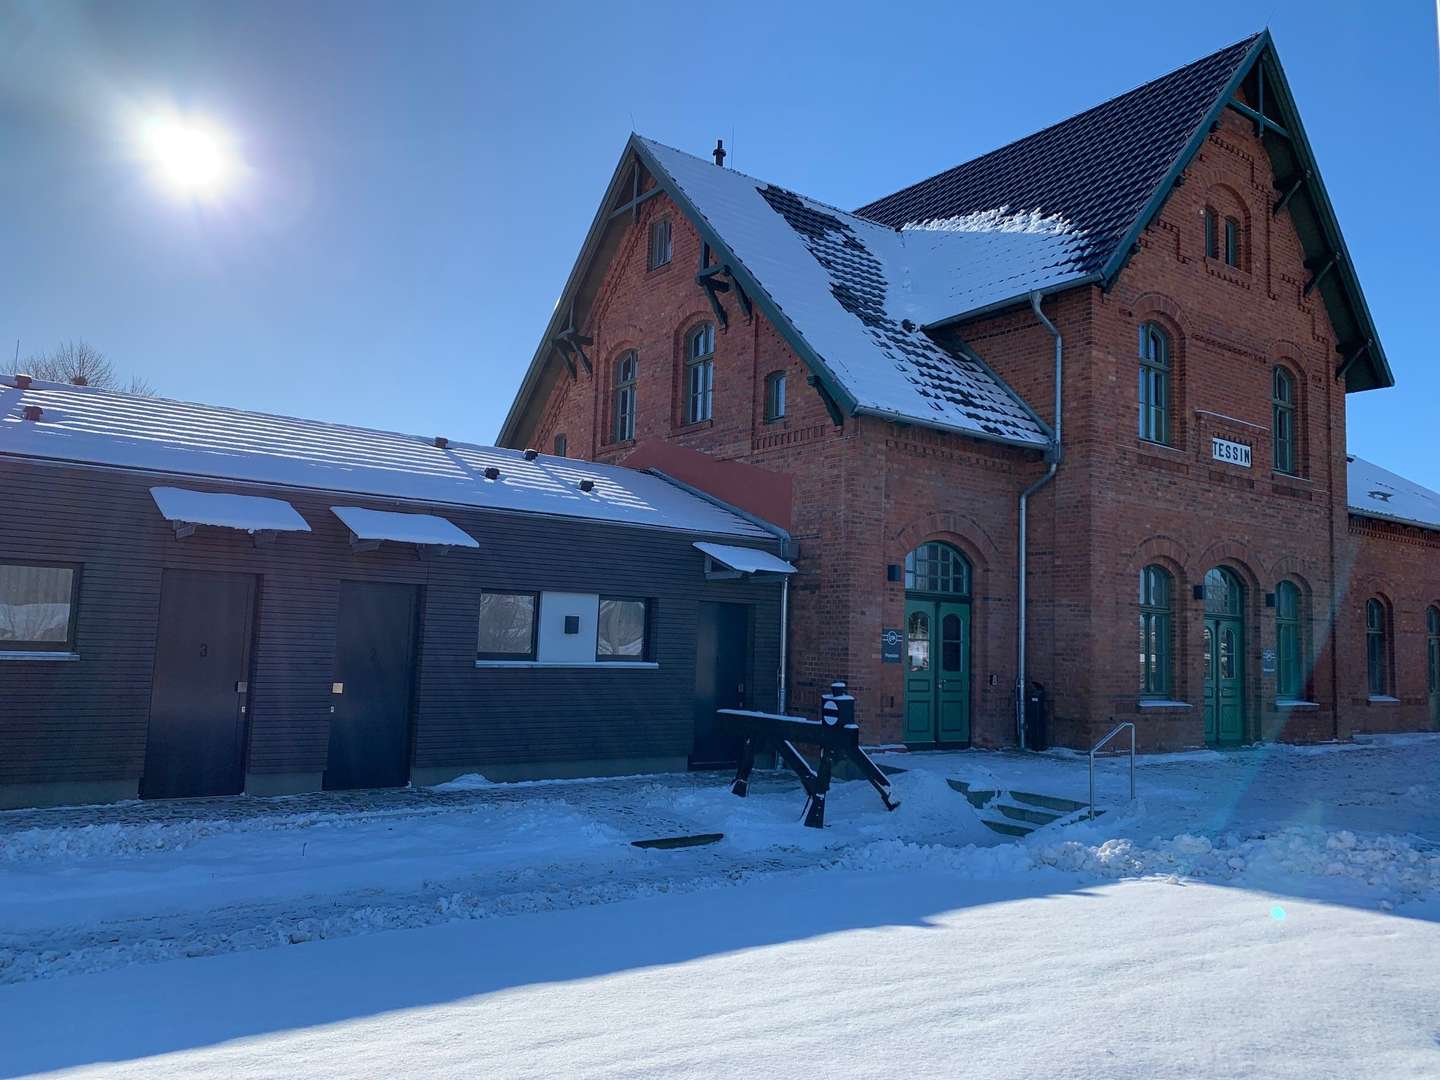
(1063, 121)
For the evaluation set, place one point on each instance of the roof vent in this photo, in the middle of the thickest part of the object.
(531, 453)
(587, 485)
(80, 380)
(33, 412)
(1383, 496)
(22, 382)
(441, 441)
(492, 473)
(907, 325)
(719, 152)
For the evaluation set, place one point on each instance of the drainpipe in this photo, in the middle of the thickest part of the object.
(784, 638)
(1054, 455)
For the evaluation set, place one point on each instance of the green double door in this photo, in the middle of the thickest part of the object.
(937, 671)
(1224, 645)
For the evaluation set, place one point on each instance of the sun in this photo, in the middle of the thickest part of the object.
(192, 157)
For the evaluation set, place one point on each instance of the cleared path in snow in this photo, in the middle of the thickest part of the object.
(836, 974)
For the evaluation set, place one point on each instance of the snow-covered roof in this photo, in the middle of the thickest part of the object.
(746, 560)
(426, 529)
(104, 427)
(248, 513)
(858, 292)
(1379, 493)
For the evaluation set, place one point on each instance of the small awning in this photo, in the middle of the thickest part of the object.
(370, 527)
(253, 514)
(746, 560)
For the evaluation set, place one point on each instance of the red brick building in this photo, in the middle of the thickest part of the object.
(1144, 317)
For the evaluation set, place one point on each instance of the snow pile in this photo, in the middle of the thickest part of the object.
(1000, 219)
(1394, 868)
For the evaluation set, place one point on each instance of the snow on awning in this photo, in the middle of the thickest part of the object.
(369, 527)
(253, 514)
(746, 560)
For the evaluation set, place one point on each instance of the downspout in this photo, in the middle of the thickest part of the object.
(1054, 456)
(784, 639)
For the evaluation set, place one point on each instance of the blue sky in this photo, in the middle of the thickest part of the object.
(420, 176)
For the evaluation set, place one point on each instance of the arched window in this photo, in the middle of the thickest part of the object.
(1232, 242)
(1291, 642)
(1283, 415)
(1432, 653)
(623, 412)
(775, 389)
(1377, 646)
(1212, 233)
(1156, 631)
(1154, 384)
(937, 568)
(699, 373)
(1224, 595)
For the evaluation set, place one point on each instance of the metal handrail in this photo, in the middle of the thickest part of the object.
(1110, 735)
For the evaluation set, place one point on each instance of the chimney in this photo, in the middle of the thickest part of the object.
(80, 380)
(719, 152)
(33, 412)
(531, 453)
(22, 382)
(441, 441)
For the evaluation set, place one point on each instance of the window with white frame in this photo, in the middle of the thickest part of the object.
(622, 426)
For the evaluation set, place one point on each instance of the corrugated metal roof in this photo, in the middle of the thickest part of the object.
(181, 438)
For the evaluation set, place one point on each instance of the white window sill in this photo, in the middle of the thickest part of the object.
(1156, 703)
(642, 665)
(38, 654)
(1383, 699)
(1296, 703)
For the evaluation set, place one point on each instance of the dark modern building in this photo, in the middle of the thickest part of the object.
(204, 601)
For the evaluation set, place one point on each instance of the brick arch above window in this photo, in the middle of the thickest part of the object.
(1163, 550)
(1233, 555)
(1228, 205)
(956, 529)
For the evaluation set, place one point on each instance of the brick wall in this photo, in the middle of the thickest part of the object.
(870, 491)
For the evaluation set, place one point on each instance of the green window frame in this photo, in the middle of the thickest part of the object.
(661, 246)
(1432, 649)
(1157, 588)
(507, 626)
(700, 374)
(1212, 234)
(1282, 411)
(622, 426)
(1232, 242)
(1291, 644)
(936, 567)
(1377, 647)
(38, 604)
(560, 445)
(775, 392)
(1154, 384)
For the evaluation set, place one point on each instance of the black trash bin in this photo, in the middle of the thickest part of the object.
(1037, 718)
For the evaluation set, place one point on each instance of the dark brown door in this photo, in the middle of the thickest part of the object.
(722, 655)
(374, 674)
(196, 740)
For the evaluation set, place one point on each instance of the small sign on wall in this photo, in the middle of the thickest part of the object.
(890, 645)
(1267, 661)
(1232, 453)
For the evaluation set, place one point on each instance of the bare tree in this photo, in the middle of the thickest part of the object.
(81, 363)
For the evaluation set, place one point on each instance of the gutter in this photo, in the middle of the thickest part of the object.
(1054, 456)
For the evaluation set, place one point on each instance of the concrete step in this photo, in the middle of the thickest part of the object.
(1017, 813)
(1025, 814)
(1061, 807)
(1009, 828)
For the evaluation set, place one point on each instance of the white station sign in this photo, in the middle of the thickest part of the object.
(1233, 453)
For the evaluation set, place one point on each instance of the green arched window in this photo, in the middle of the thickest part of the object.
(1156, 631)
(1224, 595)
(1290, 642)
(937, 568)
(1432, 648)
(1154, 383)
(1282, 410)
(1377, 646)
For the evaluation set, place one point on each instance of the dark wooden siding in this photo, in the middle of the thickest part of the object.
(86, 719)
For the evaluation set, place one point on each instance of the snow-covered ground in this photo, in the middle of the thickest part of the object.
(1271, 912)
